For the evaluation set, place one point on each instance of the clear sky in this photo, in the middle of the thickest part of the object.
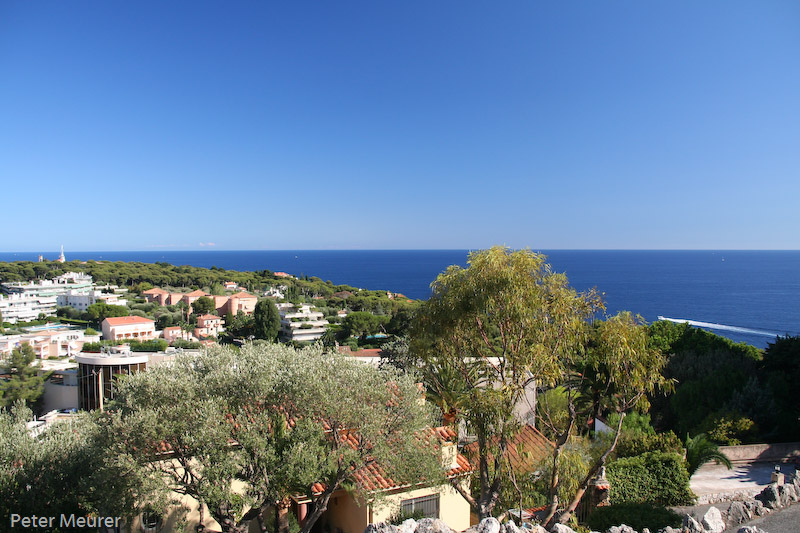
(417, 124)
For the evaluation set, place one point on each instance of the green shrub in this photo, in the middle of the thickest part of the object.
(636, 515)
(729, 428)
(653, 477)
(631, 445)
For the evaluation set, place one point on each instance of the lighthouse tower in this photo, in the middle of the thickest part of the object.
(61, 258)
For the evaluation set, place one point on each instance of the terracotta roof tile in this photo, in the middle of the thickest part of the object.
(525, 450)
(196, 293)
(127, 320)
(155, 290)
(373, 477)
(242, 294)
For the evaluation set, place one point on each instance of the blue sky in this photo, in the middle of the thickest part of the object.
(448, 124)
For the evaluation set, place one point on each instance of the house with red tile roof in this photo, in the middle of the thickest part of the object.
(241, 301)
(525, 450)
(348, 514)
(208, 326)
(173, 333)
(129, 327)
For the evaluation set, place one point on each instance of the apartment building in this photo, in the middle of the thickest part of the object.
(129, 327)
(301, 323)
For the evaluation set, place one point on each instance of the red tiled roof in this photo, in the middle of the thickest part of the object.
(155, 290)
(242, 294)
(127, 320)
(208, 317)
(525, 450)
(367, 352)
(373, 477)
(196, 293)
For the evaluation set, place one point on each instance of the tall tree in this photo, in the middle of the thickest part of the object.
(504, 323)
(203, 305)
(266, 320)
(361, 323)
(618, 368)
(26, 381)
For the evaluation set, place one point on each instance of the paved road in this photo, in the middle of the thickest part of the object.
(712, 482)
(783, 521)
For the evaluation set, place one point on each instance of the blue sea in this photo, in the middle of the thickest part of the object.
(748, 296)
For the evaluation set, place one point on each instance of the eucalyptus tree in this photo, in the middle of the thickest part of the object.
(614, 373)
(503, 324)
(506, 324)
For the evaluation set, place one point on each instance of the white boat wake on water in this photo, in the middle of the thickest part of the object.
(722, 327)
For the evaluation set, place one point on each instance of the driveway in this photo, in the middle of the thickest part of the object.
(713, 483)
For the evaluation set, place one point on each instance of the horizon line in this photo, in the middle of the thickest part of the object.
(179, 250)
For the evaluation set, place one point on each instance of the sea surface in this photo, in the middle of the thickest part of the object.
(748, 296)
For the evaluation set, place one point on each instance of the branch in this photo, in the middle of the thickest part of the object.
(591, 474)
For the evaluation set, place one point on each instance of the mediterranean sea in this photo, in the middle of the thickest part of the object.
(747, 296)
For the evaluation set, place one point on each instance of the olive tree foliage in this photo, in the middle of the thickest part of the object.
(504, 323)
(44, 472)
(240, 429)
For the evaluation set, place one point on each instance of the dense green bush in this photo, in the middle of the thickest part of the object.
(653, 477)
(631, 445)
(636, 515)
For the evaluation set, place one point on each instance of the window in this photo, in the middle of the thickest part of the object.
(428, 506)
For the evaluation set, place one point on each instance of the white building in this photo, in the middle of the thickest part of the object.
(301, 323)
(51, 343)
(24, 307)
(71, 281)
(81, 300)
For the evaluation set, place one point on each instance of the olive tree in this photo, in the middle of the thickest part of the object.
(43, 470)
(240, 429)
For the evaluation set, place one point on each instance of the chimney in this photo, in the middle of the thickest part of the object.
(449, 455)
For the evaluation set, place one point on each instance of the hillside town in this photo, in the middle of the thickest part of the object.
(332, 409)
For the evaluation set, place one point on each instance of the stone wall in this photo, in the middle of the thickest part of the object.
(753, 453)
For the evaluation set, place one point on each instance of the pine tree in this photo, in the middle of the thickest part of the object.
(25, 382)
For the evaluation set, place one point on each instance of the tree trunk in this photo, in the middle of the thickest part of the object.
(554, 481)
(227, 521)
(282, 516)
(591, 474)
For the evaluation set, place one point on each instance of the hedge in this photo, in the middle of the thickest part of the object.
(658, 478)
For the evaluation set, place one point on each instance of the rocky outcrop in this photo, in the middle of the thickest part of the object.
(712, 521)
(738, 513)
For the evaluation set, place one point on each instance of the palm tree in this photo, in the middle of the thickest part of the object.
(700, 450)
